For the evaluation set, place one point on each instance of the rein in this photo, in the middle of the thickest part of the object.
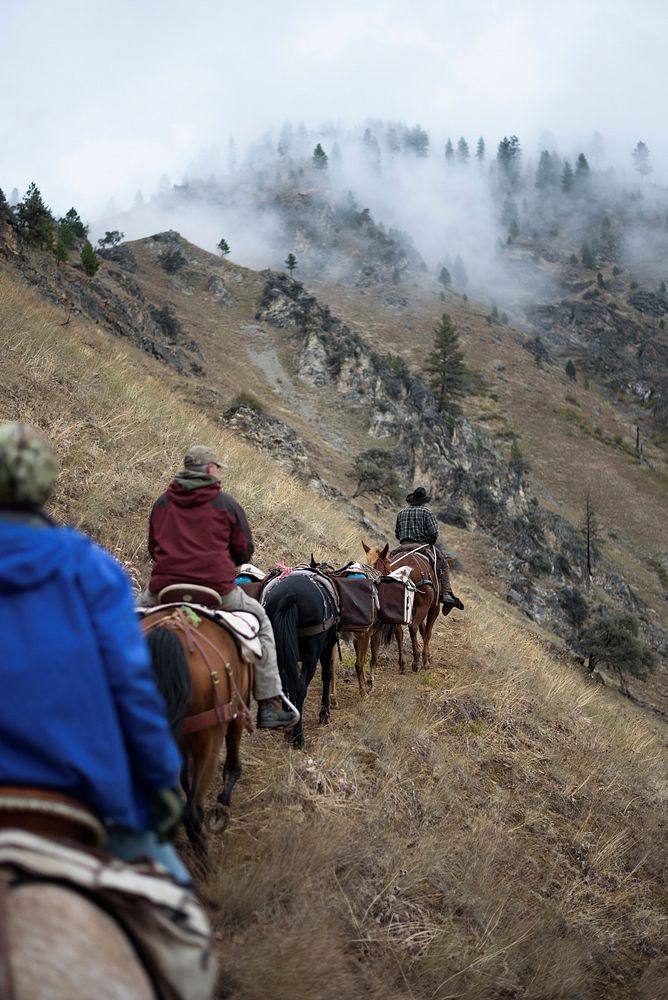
(432, 581)
(222, 713)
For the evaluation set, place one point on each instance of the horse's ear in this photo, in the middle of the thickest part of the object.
(385, 550)
(365, 547)
(313, 562)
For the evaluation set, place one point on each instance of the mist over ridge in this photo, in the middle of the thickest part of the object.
(494, 214)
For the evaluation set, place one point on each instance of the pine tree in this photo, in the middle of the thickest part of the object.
(571, 371)
(546, 174)
(60, 251)
(35, 219)
(111, 238)
(448, 375)
(223, 247)
(449, 150)
(508, 157)
(640, 156)
(444, 277)
(463, 154)
(480, 150)
(290, 262)
(567, 178)
(89, 260)
(588, 259)
(319, 158)
(459, 275)
(582, 171)
(5, 210)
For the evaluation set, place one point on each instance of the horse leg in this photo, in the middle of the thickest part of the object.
(327, 664)
(193, 813)
(432, 615)
(376, 638)
(413, 632)
(399, 633)
(361, 644)
(220, 815)
(332, 685)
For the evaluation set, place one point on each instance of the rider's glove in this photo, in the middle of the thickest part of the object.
(165, 809)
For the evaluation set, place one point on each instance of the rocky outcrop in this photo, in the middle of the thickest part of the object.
(627, 347)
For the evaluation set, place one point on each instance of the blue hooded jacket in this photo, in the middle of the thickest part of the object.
(79, 709)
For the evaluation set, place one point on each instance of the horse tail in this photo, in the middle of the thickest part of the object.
(172, 675)
(387, 634)
(284, 620)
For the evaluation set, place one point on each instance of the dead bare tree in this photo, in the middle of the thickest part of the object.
(590, 530)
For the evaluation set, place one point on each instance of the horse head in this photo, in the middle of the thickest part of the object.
(377, 557)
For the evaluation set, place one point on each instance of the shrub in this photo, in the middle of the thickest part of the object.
(166, 321)
(574, 605)
(172, 261)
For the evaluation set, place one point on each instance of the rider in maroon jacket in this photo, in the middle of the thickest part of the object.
(198, 534)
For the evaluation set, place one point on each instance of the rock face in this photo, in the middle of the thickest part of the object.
(470, 481)
(627, 346)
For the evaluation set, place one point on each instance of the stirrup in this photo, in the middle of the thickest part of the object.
(292, 708)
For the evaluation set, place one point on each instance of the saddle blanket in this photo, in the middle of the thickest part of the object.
(243, 625)
(165, 921)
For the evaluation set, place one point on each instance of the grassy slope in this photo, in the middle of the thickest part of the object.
(488, 829)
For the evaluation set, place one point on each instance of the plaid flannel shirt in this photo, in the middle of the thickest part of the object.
(416, 524)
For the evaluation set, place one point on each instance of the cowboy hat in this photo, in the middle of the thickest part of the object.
(418, 496)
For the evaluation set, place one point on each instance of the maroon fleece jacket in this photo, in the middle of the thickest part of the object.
(197, 536)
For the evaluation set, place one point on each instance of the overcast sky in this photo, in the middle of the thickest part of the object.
(102, 98)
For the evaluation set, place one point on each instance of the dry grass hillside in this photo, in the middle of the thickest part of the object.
(489, 829)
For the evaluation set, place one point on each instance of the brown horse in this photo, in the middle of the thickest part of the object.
(221, 684)
(377, 635)
(426, 606)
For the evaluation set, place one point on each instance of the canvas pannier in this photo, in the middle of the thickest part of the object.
(357, 603)
(396, 600)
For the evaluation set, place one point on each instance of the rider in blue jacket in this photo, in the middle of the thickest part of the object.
(79, 710)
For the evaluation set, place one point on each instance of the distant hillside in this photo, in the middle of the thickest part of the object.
(238, 343)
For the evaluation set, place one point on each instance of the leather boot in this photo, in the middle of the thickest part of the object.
(272, 715)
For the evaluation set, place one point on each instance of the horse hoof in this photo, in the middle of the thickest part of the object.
(324, 716)
(333, 703)
(415, 667)
(402, 670)
(218, 818)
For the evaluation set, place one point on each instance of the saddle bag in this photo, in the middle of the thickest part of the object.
(357, 603)
(396, 600)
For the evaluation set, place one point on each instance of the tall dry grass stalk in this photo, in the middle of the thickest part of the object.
(492, 828)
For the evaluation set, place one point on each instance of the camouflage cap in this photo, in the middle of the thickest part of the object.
(200, 455)
(28, 465)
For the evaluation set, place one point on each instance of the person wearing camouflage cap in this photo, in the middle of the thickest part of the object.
(199, 535)
(28, 467)
(80, 713)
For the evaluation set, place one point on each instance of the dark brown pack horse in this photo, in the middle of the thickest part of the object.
(201, 676)
(426, 606)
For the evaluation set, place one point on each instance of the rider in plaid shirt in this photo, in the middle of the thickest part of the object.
(416, 524)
